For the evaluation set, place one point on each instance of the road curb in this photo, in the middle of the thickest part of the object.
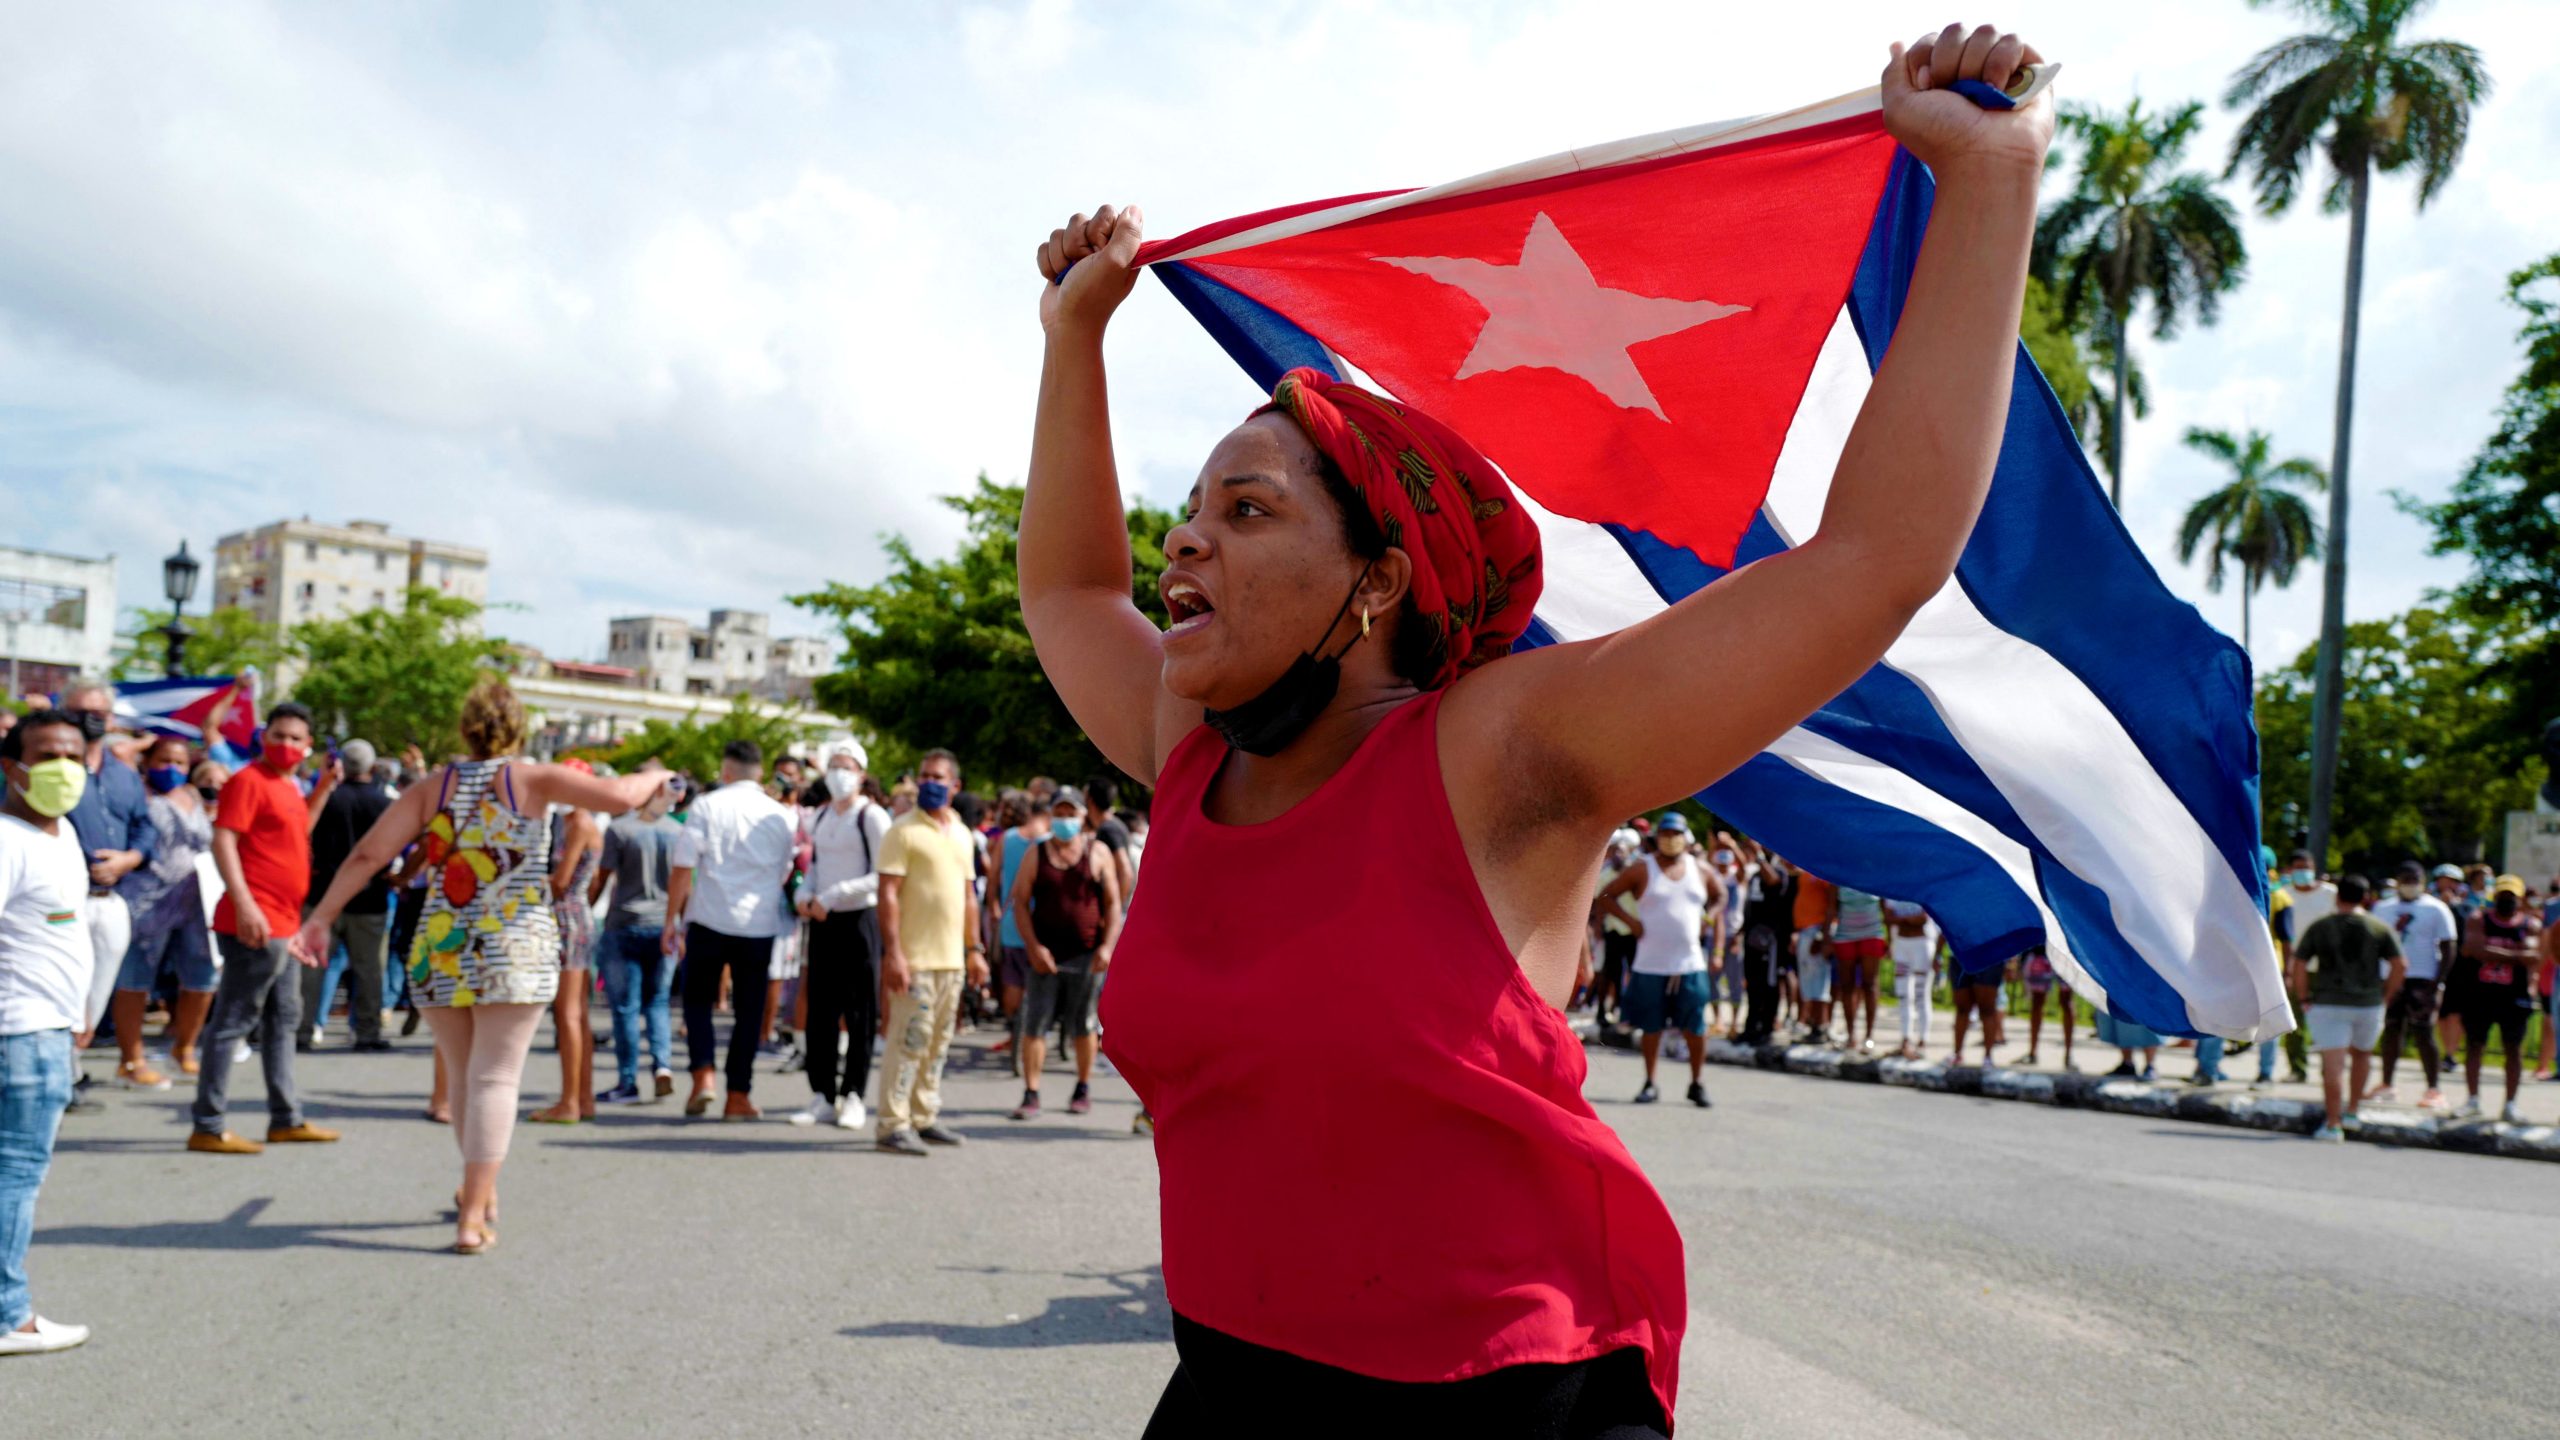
(2123, 1096)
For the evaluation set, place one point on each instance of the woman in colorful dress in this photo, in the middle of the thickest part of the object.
(1419, 1221)
(576, 841)
(486, 960)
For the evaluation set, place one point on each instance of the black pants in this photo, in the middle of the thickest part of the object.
(842, 980)
(1228, 1387)
(1760, 984)
(748, 959)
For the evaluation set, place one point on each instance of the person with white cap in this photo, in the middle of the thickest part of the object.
(1667, 981)
(841, 976)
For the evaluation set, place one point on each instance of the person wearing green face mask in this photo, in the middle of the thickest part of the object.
(45, 961)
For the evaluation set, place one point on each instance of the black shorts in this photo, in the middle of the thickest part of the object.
(1617, 952)
(2506, 1008)
(1063, 998)
(2415, 1005)
(1225, 1386)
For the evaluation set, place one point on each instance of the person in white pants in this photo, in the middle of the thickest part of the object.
(1914, 950)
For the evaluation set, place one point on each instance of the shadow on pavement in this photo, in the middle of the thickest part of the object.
(238, 1230)
(1136, 1315)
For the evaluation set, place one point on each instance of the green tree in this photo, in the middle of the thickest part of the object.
(693, 745)
(2055, 347)
(2420, 690)
(2356, 91)
(2254, 520)
(2505, 515)
(936, 653)
(394, 677)
(2132, 232)
(224, 642)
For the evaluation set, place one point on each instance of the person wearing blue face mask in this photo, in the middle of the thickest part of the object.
(1066, 903)
(930, 949)
(2307, 903)
(166, 902)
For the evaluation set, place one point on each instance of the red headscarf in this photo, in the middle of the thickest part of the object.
(1475, 552)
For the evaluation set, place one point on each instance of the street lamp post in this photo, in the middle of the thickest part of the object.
(178, 583)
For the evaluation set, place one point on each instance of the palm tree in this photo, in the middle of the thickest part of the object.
(2133, 231)
(2356, 92)
(2254, 520)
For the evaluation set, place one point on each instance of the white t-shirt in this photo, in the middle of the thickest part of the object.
(844, 855)
(2420, 924)
(2309, 908)
(1673, 910)
(738, 841)
(45, 955)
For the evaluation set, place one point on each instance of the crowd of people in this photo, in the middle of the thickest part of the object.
(833, 921)
(1735, 942)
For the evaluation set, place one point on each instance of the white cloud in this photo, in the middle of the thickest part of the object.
(683, 307)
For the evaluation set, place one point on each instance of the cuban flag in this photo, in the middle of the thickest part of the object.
(1663, 343)
(206, 708)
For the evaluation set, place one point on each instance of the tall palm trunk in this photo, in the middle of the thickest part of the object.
(2327, 694)
(2248, 592)
(2115, 423)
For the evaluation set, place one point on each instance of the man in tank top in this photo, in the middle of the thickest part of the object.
(1676, 897)
(1066, 904)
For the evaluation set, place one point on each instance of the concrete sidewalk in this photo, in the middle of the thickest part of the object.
(2086, 1083)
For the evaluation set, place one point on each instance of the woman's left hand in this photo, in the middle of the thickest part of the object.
(1946, 130)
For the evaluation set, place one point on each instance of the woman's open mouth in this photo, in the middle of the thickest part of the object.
(1187, 608)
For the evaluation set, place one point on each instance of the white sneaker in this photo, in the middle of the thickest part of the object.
(241, 1053)
(818, 1113)
(2512, 1114)
(47, 1337)
(318, 1034)
(2471, 1108)
(850, 1115)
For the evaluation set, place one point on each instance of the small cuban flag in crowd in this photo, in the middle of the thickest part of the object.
(221, 711)
(1663, 343)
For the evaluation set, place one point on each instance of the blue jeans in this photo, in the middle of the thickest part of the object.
(35, 1083)
(2209, 1059)
(637, 981)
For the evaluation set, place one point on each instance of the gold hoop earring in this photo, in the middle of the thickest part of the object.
(1364, 622)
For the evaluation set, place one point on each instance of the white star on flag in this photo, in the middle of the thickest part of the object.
(1547, 312)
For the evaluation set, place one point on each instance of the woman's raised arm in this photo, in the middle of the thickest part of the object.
(1766, 646)
(1103, 655)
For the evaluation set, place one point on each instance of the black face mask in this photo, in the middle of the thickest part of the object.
(210, 793)
(93, 726)
(1265, 724)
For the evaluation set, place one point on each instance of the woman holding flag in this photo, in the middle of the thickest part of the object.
(1406, 1216)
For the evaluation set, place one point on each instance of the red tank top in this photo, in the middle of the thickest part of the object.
(1373, 1147)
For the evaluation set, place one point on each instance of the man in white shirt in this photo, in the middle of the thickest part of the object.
(45, 962)
(724, 908)
(842, 975)
(2427, 933)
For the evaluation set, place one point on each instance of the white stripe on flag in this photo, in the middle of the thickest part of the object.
(2054, 750)
(1836, 764)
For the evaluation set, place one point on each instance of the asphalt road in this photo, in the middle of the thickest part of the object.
(1861, 1259)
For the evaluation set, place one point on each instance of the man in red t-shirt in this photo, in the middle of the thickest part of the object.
(262, 846)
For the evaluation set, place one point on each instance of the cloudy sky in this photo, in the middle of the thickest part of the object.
(674, 306)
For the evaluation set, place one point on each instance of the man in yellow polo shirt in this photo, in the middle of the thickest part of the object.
(929, 941)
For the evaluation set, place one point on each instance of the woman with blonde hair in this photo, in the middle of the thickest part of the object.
(486, 960)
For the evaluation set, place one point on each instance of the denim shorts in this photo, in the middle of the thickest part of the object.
(186, 947)
(1650, 1003)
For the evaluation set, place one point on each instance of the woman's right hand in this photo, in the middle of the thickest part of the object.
(1040, 958)
(1097, 254)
